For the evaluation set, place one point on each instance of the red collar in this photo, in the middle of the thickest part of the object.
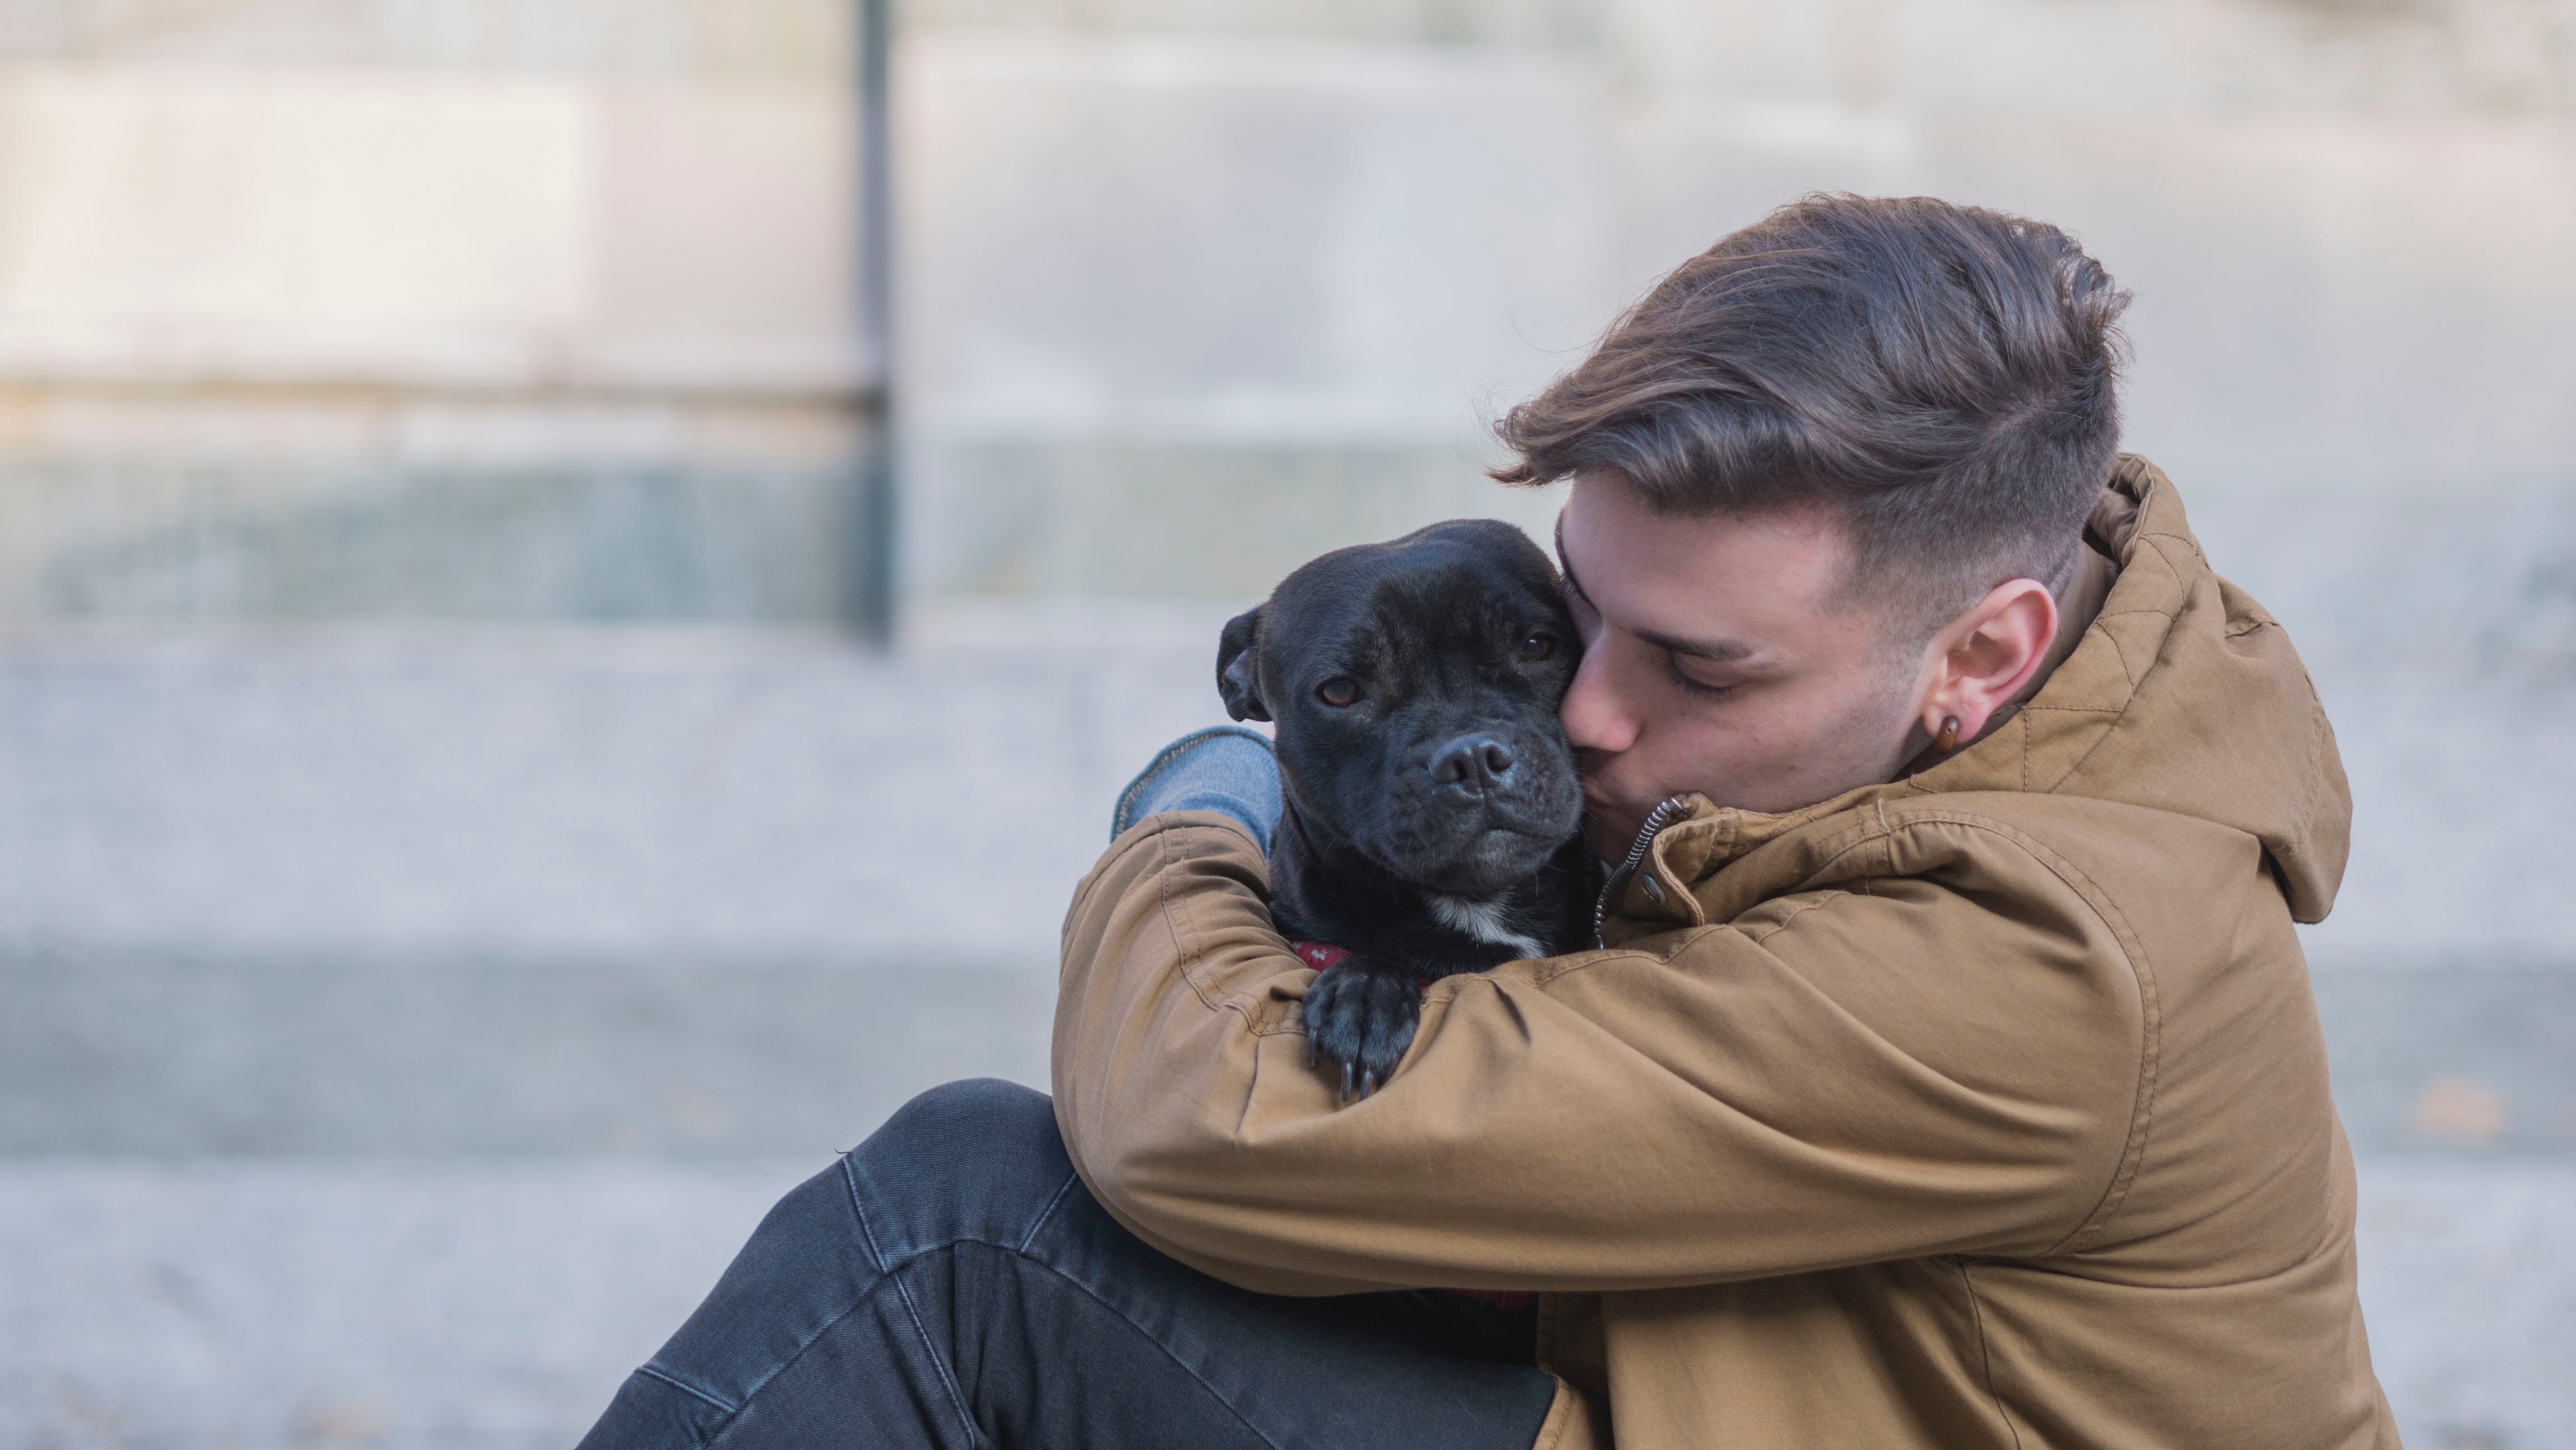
(1319, 956)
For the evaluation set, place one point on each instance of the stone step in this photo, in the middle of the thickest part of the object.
(264, 1304)
(725, 795)
(177, 1058)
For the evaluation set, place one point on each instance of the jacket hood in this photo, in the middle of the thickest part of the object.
(2181, 695)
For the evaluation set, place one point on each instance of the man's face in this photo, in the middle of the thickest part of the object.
(1720, 657)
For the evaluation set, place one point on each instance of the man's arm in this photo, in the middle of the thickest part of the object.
(1843, 1076)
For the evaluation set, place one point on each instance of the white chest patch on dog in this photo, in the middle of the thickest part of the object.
(1483, 920)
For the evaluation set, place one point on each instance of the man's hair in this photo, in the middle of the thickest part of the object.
(1940, 375)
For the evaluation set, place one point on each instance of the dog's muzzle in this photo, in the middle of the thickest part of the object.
(1484, 810)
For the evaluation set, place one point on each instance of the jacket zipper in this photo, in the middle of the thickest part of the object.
(1656, 819)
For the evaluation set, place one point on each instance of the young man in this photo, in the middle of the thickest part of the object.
(1948, 1075)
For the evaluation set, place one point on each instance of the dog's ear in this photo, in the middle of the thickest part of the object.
(1236, 678)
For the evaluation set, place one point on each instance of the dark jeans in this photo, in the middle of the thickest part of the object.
(950, 1283)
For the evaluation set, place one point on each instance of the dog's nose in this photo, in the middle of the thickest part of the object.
(1473, 763)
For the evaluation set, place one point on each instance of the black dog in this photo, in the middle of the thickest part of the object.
(1431, 805)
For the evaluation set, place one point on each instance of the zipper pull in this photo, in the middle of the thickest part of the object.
(1656, 819)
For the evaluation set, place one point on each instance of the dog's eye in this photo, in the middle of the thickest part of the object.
(1537, 645)
(1338, 691)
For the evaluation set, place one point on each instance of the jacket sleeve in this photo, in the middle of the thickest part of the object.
(1946, 1061)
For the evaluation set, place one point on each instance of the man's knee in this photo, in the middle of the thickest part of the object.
(974, 1160)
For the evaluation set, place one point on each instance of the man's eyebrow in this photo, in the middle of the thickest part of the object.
(1562, 567)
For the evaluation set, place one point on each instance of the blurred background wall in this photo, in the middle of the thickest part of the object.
(457, 864)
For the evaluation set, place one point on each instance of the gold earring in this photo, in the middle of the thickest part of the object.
(1948, 739)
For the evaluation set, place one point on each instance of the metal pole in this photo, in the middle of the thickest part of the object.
(872, 595)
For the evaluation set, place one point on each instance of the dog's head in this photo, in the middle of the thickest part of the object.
(1415, 686)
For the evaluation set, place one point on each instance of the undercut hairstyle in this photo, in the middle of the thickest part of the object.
(1941, 376)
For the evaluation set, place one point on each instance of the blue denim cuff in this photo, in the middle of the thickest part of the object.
(1226, 768)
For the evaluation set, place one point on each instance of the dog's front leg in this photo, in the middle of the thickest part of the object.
(1360, 1019)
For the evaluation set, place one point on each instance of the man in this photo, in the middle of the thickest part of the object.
(1948, 1074)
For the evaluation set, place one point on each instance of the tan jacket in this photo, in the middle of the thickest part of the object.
(1984, 1108)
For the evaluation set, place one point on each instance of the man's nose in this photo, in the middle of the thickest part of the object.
(1473, 763)
(1592, 713)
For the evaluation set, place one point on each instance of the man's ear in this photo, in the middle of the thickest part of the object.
(1987, 655)
(1237, 680)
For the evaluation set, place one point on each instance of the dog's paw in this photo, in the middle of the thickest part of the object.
(1358, 1024)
